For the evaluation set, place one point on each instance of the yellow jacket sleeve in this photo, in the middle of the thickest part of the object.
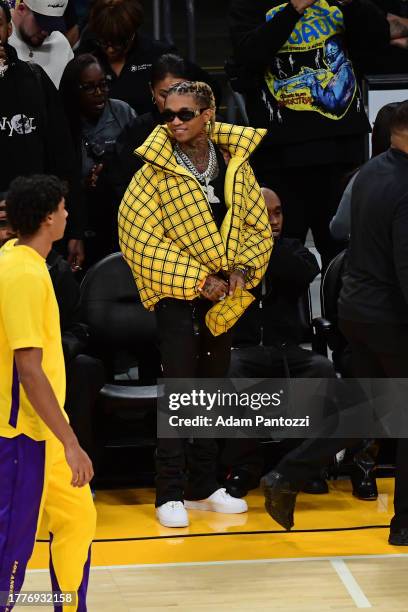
(157, 262)
(256, 237)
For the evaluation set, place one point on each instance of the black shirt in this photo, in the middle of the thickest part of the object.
(216, 187)
(375, 284)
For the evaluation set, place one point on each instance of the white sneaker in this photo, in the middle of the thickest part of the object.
(219, 501)
(172, 514)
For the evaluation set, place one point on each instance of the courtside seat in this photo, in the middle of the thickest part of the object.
(327, 333)
(123, 335)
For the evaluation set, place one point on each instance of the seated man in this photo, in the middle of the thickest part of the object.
(267, 337)
(266, 341)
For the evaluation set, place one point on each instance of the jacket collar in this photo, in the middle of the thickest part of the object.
(239, 141)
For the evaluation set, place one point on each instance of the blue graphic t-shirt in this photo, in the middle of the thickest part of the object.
(307, 89)
(312, 71)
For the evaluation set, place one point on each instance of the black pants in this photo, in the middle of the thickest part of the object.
(85, 378)
(310, 196)
(188, 350)
(289, 360)
(268, 362)
(378, 350)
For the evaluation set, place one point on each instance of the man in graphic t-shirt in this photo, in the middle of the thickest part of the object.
(294, 62)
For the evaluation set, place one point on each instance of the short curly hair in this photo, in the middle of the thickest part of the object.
(30, 199)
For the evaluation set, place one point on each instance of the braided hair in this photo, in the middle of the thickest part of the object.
(201, 92)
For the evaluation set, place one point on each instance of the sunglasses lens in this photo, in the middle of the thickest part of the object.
(186, 115)
(168, 116)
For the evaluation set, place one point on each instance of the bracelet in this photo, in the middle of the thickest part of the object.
(243, 269)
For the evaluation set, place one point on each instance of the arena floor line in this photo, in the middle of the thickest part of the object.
(131, 536)
(291, 585)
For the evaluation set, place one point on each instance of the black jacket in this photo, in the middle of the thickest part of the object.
(34, 134)
(132, 85)
(283, 53)
(274, 317)
(375, 284)
(74, 334)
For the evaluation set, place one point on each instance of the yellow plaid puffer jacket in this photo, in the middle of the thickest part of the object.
(166, 229)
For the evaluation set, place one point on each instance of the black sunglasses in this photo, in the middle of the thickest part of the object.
(184, 115)
(91, 88)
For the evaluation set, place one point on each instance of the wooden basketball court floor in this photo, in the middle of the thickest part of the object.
(337, 557)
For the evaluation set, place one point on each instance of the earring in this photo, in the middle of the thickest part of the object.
(154, 100)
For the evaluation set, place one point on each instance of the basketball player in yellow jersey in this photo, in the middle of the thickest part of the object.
(43, 470)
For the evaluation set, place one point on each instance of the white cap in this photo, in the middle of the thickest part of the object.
(50, 8)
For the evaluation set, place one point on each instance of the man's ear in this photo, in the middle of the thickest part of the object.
(49, 219)
(208, 114)
(20, 8)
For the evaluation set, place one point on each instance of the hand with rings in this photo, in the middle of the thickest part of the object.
(215, 288)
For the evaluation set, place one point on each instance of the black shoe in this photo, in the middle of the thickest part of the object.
(317, 486)
(362, 477)
(398, 537)
(240, 482)
(280, 499)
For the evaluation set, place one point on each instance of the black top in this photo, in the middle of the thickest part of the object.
(291, 269)
(34, 134)
(301, 82)
(132, 85)
(375, 284)
(216, 191)
(74, 333)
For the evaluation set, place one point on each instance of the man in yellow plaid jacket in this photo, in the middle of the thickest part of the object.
(194, 229)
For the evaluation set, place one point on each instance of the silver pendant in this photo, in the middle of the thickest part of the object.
(212, 198)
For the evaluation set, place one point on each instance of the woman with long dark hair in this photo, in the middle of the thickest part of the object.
(95, 121)
(167, 71)
(194, 229)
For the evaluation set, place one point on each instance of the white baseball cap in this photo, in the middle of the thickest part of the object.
(49, 14)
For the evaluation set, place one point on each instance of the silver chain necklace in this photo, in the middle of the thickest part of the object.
(211, 170)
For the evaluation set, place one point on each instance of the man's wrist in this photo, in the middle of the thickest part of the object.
(244, 271)
(70, 440)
